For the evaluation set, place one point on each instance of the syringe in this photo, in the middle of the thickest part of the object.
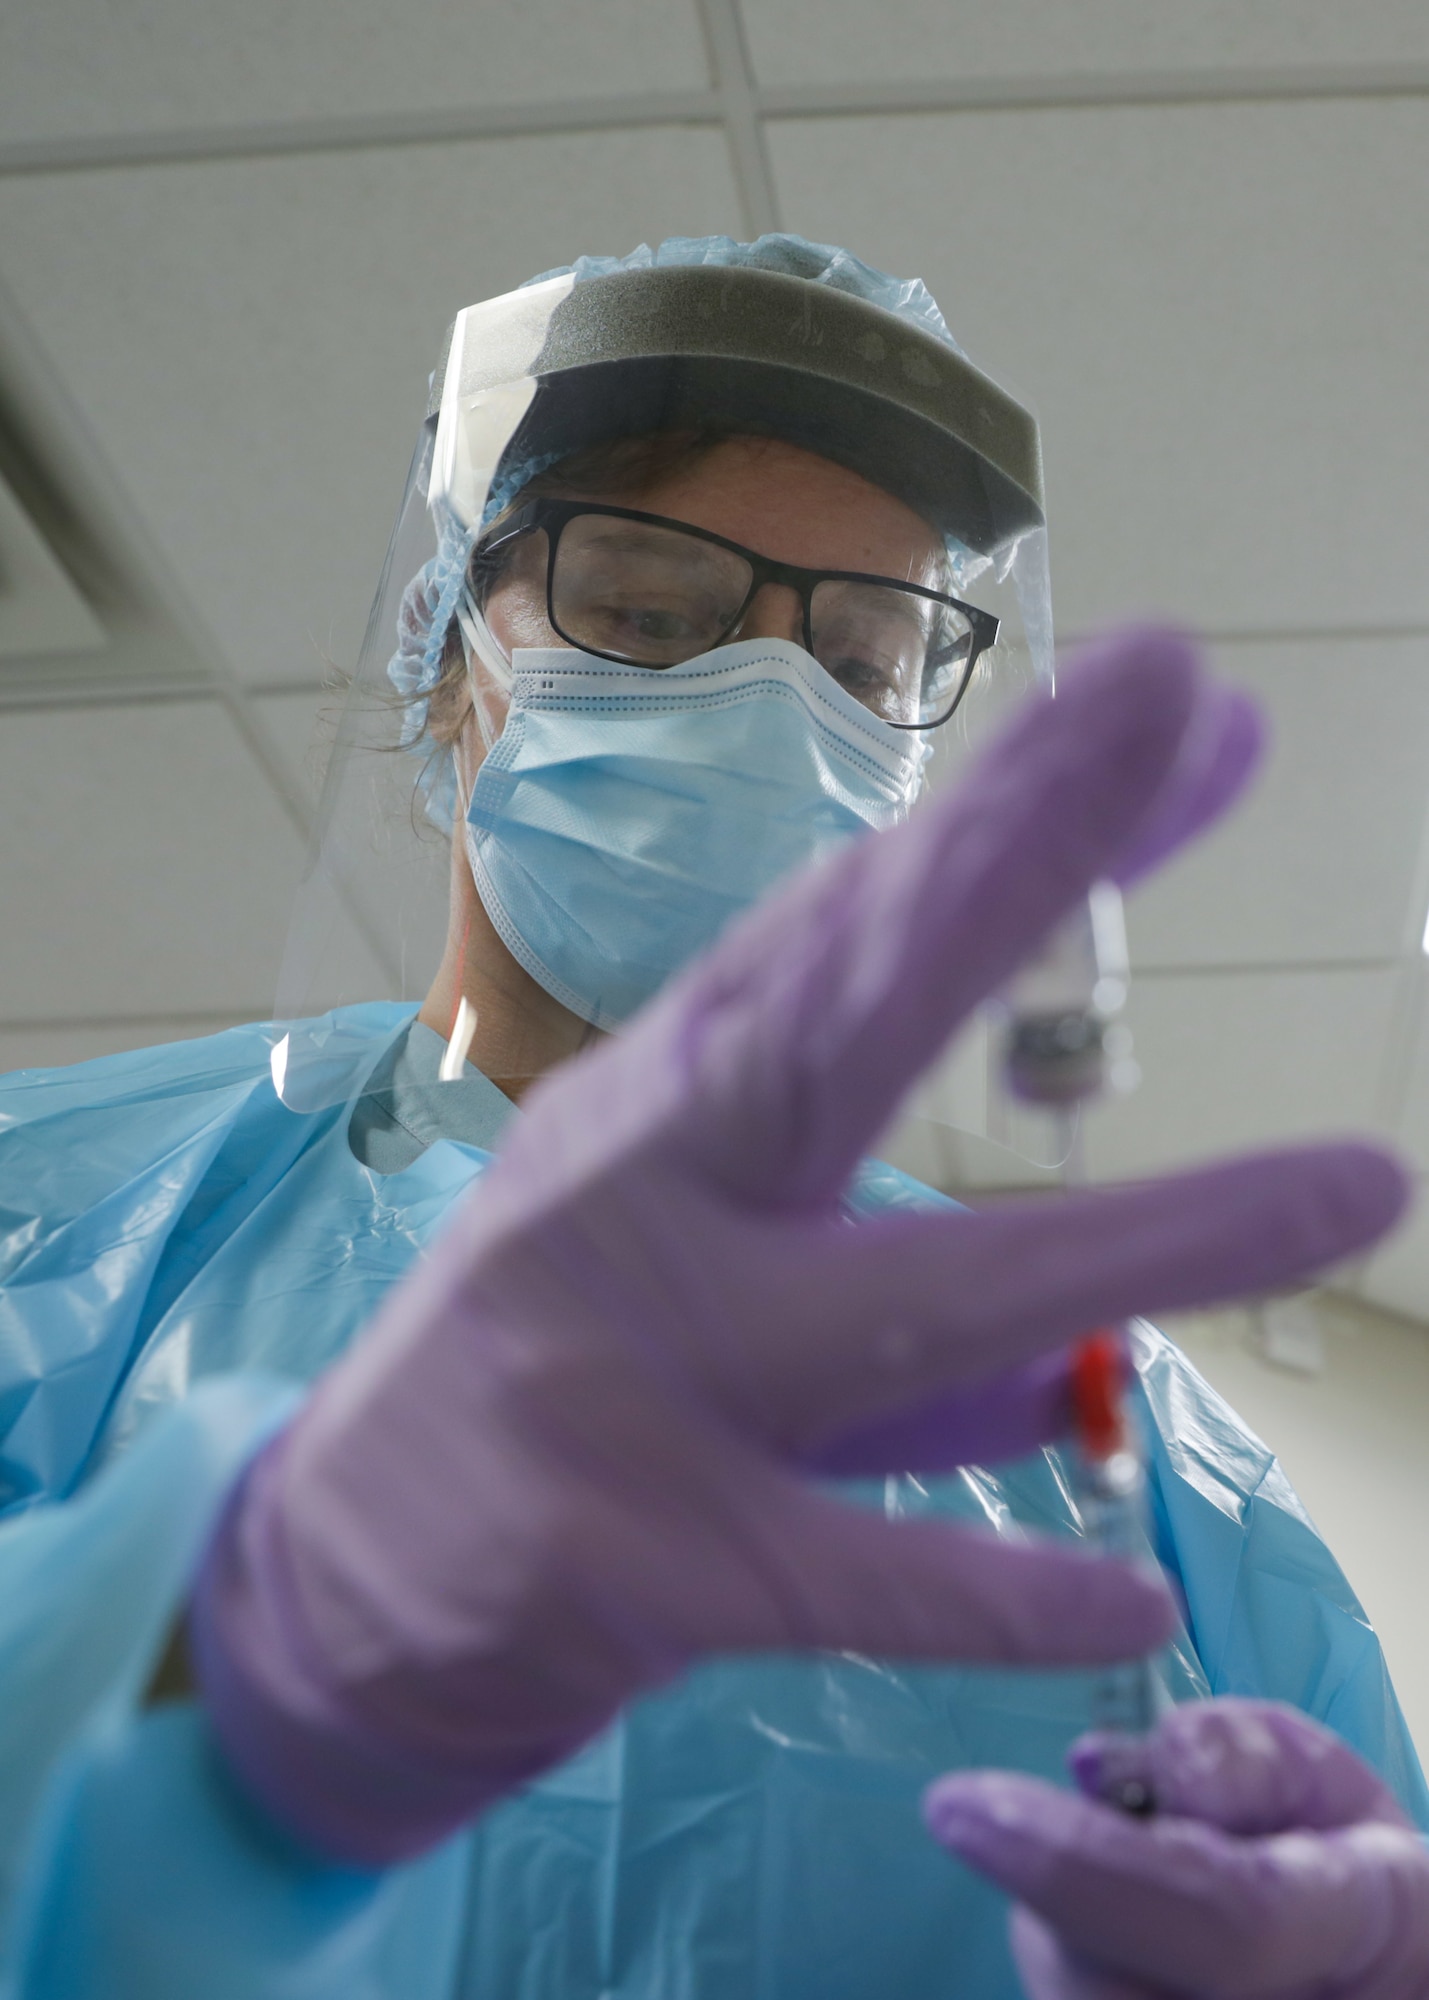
(1063, 1044)
(1112, 1494)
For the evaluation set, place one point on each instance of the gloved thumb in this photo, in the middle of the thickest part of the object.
(1250, 1767)
(1049, 1973)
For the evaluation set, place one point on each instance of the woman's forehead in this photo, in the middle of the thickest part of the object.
(795, 506)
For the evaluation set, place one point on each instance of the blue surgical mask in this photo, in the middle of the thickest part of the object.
(623, 816)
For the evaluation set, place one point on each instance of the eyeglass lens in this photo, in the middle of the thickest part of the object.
(656, 597)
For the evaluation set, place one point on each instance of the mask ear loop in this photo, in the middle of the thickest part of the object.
(479, 644)
(462, 1031)
(464, 1018)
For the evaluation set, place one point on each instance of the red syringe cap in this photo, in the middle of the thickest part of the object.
(1098, 1374)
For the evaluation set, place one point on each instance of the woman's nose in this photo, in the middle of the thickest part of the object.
(774, 613)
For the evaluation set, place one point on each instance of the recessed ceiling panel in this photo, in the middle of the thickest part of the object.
(42, 609)
(1217, 311)
(250, 341)
(77, 68)
(909, 41)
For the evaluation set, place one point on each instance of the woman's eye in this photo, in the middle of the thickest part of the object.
(656, 624)
(860, 673)
(874, 683)
(651, 622)
(862, 676)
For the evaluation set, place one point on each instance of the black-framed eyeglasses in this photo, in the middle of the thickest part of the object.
(647, 591)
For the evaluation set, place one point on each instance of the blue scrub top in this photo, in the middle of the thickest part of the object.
(180, 1252)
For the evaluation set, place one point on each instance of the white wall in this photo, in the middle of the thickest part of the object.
(1355, 1443)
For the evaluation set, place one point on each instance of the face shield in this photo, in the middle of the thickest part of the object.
(525, 382)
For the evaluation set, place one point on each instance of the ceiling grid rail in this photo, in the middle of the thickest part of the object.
(738, 98)
(736, 101)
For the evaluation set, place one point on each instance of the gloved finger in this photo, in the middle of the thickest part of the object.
(1219, 755)
(1177, 1901)
(1248, 1767)
(900, 1310)
(1049, 1973)
(851, 1580)
(1000, 1418)
(804, 1027)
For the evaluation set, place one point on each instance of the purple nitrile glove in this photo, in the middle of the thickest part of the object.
(1218, 755)
(1277, 1866)
(999, 1418)
(572, 1453)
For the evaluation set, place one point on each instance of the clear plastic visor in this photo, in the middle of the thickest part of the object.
(387, 906)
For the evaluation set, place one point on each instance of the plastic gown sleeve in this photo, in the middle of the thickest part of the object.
(89, 1590)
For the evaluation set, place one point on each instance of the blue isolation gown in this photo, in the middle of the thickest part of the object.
(179, 1253)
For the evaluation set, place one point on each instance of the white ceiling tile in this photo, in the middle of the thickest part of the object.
(1217, 311)
(384, 868)
(146, 867)
(1322, 859)
(250, 341)
(1247, 1059)
(386, 874)
(74, 68)
(45, 1047)
(1397, 1276)
(847, 41)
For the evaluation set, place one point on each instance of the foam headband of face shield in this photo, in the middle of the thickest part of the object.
(754, 351)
